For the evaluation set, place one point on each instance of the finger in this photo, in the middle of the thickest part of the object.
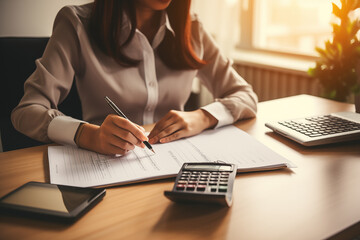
(129, 126)
(174, 136)
(167, 128)
(171, 129)
(110, 149)
(140, 127)
(121, 146)
(113, 131)
(126, 136)
(120, 143)
(160, 125)
(142, 145)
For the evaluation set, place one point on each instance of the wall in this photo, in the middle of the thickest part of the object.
(30, 18)
(221, 19)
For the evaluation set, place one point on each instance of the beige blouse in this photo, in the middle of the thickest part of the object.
(144, 93)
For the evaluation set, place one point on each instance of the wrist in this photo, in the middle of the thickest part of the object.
(78, 133)
(86, 137)
(209, 120)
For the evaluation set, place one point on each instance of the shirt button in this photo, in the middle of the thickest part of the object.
(148, 109)
(152, 84)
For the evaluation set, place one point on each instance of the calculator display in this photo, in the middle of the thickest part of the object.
(212, 167)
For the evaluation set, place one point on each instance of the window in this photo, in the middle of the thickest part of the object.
(291, 26)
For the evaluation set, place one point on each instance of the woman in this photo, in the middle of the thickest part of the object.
(144, 55)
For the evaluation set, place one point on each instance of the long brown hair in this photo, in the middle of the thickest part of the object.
(175, 51)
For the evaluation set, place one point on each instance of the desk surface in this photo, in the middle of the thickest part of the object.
(316, 200)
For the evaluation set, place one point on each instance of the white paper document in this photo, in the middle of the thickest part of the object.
(77, 167)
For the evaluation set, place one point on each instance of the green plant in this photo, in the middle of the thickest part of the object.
(336, 67)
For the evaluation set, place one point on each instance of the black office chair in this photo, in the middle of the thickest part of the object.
(17, 63)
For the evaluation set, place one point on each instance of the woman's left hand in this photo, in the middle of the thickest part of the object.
(177, 124)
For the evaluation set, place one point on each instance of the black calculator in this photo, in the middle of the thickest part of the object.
(204, 182)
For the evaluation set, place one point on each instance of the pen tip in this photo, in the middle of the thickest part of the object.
(153, 150)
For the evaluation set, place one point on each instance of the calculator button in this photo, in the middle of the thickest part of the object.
(223, 180)
(203, 179)
(223, 184)
(202, 183)
(182, 182)
(201, 188)
(222, 189)
(192, 182)
(186, 172)
(205, 173)
(215, 173)
(213, 179)
(193, 179)
(212, 183)
(190, 187)
(213, 189)
(180, 187)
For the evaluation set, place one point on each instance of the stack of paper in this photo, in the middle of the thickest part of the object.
(78, 167)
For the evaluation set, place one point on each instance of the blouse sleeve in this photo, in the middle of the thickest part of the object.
(234, 97)
(51, 82)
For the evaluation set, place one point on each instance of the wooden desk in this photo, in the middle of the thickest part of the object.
(314, 201)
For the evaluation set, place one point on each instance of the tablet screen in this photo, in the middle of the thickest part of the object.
(49, 197)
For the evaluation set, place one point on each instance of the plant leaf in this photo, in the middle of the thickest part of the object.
(321, 52)
(353, 29)
(357, 4)
(336, 28)
(336, 10)
(312, 72)
(357, 50)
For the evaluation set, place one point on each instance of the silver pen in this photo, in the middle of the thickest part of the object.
(121, 114)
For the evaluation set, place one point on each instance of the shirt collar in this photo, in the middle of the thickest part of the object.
(164, 24)
(165, 18)
(159, 36)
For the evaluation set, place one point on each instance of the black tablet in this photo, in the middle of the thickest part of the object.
(51, 200)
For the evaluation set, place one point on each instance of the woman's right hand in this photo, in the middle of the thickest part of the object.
(116, 135)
